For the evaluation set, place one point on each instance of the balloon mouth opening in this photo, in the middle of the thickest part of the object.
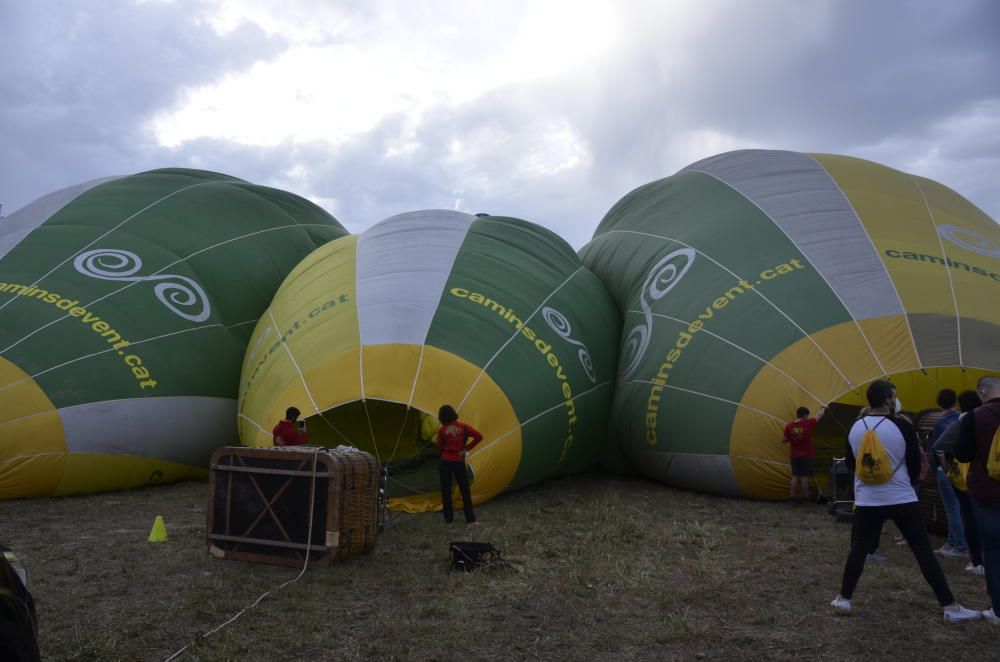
(398, 435)
(917, 390)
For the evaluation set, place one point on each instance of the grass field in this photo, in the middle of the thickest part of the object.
(609, 569)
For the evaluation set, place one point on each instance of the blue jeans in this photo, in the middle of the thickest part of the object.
(988, 519)
(952, 511)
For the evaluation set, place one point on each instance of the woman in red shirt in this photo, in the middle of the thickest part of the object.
(453, 443)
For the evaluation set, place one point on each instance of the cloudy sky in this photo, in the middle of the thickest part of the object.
(549, 110)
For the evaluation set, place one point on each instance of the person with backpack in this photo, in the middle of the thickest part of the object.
(957, 472)
(955, 546)
(883, 451)
(979, 444)
(453, 444)
(799, 437)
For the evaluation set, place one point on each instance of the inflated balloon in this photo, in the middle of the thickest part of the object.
(755, 282)
(495, 316)
(125, 308)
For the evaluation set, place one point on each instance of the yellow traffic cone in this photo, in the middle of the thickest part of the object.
(159, 532)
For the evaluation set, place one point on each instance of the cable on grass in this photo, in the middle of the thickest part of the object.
(305, 564)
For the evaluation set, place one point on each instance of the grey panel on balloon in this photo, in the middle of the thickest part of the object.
(403, 264)
(936, 339)
(18, 225)
(690, 471)
(806, 203)
(185, 430)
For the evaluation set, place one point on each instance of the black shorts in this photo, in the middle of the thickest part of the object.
(803, 466)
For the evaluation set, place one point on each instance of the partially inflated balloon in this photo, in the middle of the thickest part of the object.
(125, 308)
(371, 334)
(756, 282)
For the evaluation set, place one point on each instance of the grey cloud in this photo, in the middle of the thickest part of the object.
(82, 81)
(910, 84)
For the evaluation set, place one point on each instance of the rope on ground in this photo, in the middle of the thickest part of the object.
(305, 565)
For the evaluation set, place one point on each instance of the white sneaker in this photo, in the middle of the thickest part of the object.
(875, 556)
(955, 613)
(841, 604)
(975, 569)
(950, 552)
(991, 617)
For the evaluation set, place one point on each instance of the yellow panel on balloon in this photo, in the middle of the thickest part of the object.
(99, 472)
(32, 440)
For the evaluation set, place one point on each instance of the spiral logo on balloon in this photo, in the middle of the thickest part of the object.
(558, 323)
(181, 295)
(662, 278)
(969, 240)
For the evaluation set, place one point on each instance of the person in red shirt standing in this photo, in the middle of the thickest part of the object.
(453, 443)
(290, 431)
(799, 437)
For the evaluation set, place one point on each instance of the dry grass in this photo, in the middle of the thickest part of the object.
(610, 569)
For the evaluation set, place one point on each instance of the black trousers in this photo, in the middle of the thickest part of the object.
(868, 521)
(447, 469)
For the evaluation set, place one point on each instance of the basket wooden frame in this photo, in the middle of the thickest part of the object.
(351, 479)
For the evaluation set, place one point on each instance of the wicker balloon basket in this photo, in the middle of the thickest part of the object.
(260, 501)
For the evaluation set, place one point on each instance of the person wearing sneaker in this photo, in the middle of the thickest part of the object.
(894, 499)
(955, 544)
(944, 447)
(974, 441)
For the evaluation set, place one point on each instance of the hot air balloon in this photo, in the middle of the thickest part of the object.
(757, 281)
(125, 309)
(371, 334)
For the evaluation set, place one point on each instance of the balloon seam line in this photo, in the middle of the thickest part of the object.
(795, 244)
(864, 228)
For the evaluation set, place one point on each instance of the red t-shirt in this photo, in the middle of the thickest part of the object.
(451, 440)
(287, 433)
(799, 434)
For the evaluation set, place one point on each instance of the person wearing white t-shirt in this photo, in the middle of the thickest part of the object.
(895, 499)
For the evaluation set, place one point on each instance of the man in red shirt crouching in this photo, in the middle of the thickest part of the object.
(452, 443)
(799, 437)
(291, 431)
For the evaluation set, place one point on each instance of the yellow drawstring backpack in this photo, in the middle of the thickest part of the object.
(993, 458)
(958, 473)
(873, 466)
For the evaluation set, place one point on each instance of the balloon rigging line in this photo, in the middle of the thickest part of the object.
(712, 397)
(111, 349)
(562, 403)
(155, 273)
(254, 423)
(305, 563)
(864, 228)
(305, 385)
(144, 209)
(409, 403)
(754, 290)
(18, 458)
(364, 402)
(944, 253)
(821, 275)
(651, 451)
(361, 361)
(742, 349)
(517, 331)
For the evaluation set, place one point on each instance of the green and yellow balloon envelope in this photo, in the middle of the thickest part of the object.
(757, 281)
(125, 308)
(371, 334)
